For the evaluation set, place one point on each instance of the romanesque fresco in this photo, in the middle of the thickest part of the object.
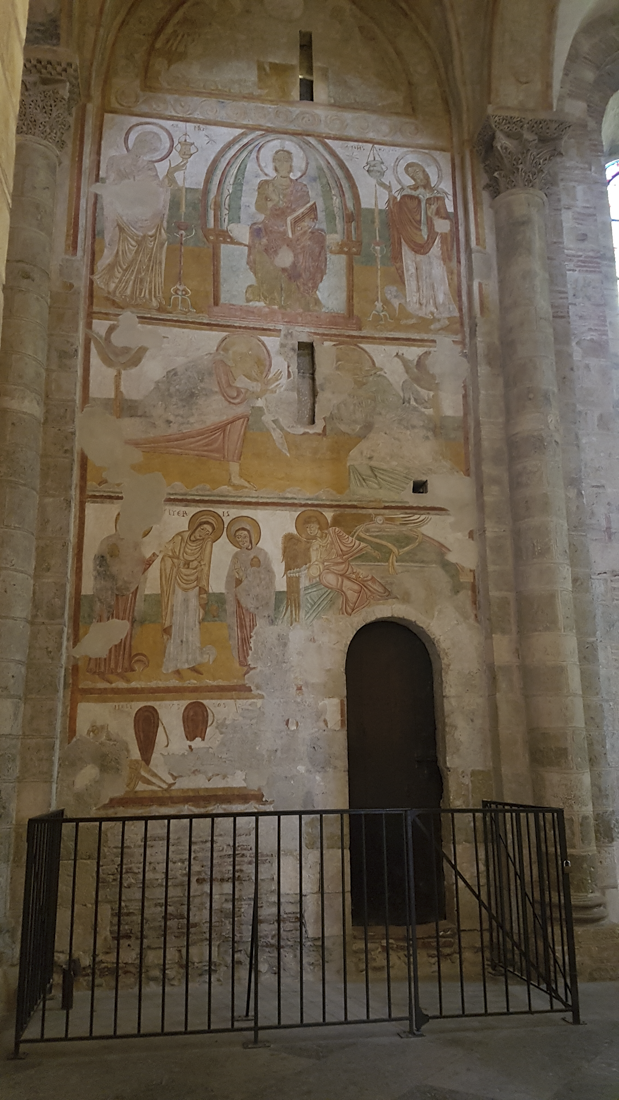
(238, 495)
(251, 226)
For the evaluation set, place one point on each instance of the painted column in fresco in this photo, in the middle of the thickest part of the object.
(516, 154)
(44, 121)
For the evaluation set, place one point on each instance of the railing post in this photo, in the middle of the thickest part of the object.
(569, 919)
(416, 1016)
(253, 951)
(38, 930)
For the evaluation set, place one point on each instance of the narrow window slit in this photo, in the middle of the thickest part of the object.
(306, 383)
(306, 66)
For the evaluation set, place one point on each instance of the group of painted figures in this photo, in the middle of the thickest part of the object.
(287, 248)
(319, 558)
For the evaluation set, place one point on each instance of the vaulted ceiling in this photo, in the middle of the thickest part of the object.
(508, 53)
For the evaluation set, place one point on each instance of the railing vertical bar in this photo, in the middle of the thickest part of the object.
(323, 974)
(233, 928)
(410, 945)
(188, 918)
(437, 936)
(509, 891)
(121, 866)
(256, 927)
(279, 920)
(553, 982)
(365, 918)
(301, 959)
(93, 970)
(559, 876)
(458, 915)
(501, 905)
(517, 939)
(344, 944)
(533, 897)
(164, 943)
(387, 921)
(72, 915)
(523, 906)
(480, 911)
(142, 908)
(414, 1008)
(42, 876)
(209, 992)
(543, 910)
(569, 920)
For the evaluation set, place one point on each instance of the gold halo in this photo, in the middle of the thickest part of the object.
(308, 515)
(426, 160)
(238, 339)
(247, 522)
(214, 518)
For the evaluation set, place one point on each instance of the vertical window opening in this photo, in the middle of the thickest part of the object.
(612, 183)
(306, 66)
(306, 384)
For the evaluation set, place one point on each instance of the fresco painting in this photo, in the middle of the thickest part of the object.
(265, 228)
(243, 497)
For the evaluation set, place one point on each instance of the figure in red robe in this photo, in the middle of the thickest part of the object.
(287, 253)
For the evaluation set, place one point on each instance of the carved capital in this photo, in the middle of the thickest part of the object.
(517, 152)
(49, 92)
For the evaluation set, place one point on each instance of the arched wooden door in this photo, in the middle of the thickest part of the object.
(392, 764)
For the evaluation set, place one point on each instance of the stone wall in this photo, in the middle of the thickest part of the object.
(11, 60)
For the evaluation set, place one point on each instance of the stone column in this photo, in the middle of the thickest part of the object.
(517, 153)
(44, 121)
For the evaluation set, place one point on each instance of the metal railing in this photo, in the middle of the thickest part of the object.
(188, 924)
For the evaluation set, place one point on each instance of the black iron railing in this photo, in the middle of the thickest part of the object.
(259, 921)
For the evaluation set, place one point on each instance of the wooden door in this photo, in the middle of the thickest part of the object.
(392, 764)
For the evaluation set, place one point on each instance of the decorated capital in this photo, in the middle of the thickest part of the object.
(518, 152)
(49, 92)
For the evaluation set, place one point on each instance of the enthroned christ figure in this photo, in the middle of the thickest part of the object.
(287, 253)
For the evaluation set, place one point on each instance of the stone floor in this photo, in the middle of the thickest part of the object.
(523, 1058)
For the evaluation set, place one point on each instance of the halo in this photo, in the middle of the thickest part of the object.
(150, 126)
(308, 515)
(291, 147)
(247, 522)
(239, 339)
(426, 160)
(214, 518)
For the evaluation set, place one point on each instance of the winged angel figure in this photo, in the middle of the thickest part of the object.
(318, 560)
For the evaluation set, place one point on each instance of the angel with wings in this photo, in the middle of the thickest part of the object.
(323, 555)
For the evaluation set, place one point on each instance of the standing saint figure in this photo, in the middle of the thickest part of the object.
(184, 577)
(250, 586)
(135, 210)
(119, 572)
(331, 554)
(287, 252)
(422, 245)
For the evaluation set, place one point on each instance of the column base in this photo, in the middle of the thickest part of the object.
(588, 908)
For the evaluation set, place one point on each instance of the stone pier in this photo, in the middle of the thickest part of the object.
(44, 121)
(516, 154)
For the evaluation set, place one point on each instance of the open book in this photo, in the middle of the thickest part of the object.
(305, 218)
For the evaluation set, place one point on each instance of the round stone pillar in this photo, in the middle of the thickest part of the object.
(517, 153)
(42, 126)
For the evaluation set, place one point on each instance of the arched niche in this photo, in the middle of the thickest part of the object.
(232, 217)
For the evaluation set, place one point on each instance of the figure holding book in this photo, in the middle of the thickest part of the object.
(287, 252)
